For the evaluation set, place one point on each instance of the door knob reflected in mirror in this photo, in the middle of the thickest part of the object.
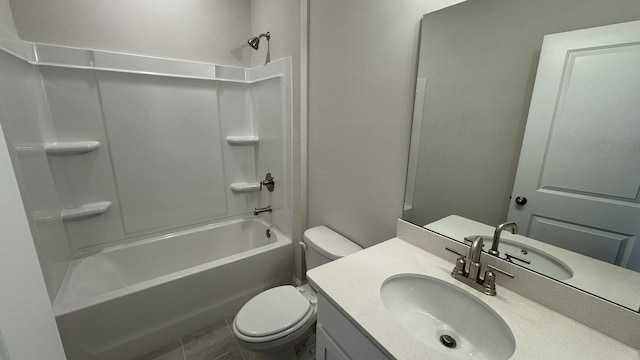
(521, 200)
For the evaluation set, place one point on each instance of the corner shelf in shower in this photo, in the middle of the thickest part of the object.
(84, 211)
(245, 187)
(242, 140)
(71, 147)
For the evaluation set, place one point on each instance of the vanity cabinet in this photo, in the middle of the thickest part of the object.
(337, 338)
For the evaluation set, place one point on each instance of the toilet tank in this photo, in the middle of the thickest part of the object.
(325, 245)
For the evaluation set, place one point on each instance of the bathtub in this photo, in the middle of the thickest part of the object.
(127, 300)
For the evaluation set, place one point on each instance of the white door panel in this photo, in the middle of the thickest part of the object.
(580, 161)
(599, 244)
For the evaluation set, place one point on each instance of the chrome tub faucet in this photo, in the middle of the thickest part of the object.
(258, 211)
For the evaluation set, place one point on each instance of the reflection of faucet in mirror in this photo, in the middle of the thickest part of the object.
(496, 236)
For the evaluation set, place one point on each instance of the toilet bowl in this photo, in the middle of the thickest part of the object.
(277, 320)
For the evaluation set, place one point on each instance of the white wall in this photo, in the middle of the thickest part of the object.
(201, 30)
(362, 69)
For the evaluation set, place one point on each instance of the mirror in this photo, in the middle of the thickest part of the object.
(477, 67)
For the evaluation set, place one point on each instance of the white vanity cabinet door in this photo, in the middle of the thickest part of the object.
(326, 349)
(338, 338)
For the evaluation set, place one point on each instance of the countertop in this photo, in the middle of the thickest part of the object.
(354, 282)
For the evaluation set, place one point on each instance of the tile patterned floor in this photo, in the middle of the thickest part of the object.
(215, 342)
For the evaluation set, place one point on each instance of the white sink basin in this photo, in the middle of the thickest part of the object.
(541, 262)
(430, 309)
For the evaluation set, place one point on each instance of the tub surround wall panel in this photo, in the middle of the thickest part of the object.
(152, 129)
(272, 115)
(75, 110)
(240, 160)
(75, 115)
(22, 98)
(161, 129)
(271, 111)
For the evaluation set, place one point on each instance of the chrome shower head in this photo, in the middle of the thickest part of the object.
(254, 42)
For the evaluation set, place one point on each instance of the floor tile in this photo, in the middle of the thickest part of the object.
(209, 343)
(247, 354)
(170, 351)
(229, 319)
(233, 355)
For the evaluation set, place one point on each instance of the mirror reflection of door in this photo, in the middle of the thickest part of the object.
(579, 169)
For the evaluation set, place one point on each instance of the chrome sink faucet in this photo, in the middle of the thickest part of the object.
(496, 236)
(486, 285)
(474, 257)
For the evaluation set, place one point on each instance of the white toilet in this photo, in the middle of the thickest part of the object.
(273, 322)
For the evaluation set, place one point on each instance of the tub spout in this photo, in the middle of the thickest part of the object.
(257, 211)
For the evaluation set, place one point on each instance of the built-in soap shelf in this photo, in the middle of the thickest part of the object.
(71, 147)
(245, 187)
(84, 211)
(243, 140)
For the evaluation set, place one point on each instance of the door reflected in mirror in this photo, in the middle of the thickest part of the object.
(544, 134)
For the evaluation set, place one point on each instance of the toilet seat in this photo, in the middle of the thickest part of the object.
(273, 314)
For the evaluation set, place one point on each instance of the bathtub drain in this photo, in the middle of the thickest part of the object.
(268, 233)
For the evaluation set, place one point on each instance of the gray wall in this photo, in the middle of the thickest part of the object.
(6, 18)
(362, 61)
(204, 30)
(480, 59)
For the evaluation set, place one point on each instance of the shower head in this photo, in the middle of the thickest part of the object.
(254, 42)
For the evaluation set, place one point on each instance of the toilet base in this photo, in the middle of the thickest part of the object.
(284, 354)
(307, 350)
(304, 349)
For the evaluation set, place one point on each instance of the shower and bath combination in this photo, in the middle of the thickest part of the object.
(254, 42)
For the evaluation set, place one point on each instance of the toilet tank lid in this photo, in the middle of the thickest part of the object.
(329, 243)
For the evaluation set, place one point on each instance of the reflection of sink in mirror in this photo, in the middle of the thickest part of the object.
(540, 261)
(447, 318)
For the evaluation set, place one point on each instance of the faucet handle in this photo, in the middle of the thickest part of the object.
(460, 263)
(462, 256)
(268, 182)
(489, 281)
(510, 258)
(493, 268)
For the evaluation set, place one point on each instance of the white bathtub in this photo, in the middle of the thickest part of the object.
(129, 299)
